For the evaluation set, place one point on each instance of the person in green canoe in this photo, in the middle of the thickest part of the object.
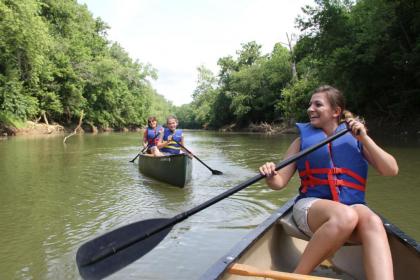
(151, 137)
(331, 207)
(169, 142)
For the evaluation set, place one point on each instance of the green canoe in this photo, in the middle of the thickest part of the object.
(174, 169)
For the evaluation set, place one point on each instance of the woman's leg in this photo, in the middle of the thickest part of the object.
(376, 252)
(332, 224)
(156, 152)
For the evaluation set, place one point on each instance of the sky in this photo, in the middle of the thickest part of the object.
(177, 36)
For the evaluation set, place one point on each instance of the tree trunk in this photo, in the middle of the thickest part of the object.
(76, 129)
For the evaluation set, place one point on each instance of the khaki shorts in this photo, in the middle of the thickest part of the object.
(300, 213)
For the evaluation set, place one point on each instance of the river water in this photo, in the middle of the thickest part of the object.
(55, 197)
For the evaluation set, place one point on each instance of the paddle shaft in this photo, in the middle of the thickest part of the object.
(142, 151)
(182, 146)
(258, 177)
(180, 217)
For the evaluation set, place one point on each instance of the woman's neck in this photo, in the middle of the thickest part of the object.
(330, 129)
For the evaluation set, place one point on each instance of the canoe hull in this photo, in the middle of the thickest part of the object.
(173, 169)
(274, 246)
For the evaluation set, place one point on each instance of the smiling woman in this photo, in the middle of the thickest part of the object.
(331, 207)
(172, 139)
(151, 137)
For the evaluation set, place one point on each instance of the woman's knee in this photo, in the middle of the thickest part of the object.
(344, 221)
(370, 223)
(337, 217)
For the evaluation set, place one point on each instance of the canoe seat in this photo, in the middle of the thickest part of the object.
(291, 228)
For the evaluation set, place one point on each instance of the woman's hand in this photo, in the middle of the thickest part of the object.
(272, 177)
(277, 180)
(358, 128)
(268, 169)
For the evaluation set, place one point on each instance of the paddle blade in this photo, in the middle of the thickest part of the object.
(135, 158)
(217, 172)
(114, 250)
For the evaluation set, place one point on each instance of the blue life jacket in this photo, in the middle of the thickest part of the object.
(152, 136)
(336, 171)
(172, 147)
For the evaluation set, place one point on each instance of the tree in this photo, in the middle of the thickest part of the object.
(369, 49)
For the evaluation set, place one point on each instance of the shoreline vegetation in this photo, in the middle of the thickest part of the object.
(68, 76)
(278, 128)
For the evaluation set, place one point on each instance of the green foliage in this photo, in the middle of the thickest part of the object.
(295, 99)
(249, 54)
(55, 59)
(248, 87)
(159, 107)
(370, 50)
(14, 99)
(204, 98)
(9, 119)
(185, 115)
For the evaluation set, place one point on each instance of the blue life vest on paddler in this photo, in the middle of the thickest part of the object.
(172, 147)
(152, 136)
(336, 171)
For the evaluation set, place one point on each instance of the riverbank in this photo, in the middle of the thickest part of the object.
(374, 127)
(33, 128)
(263, 127)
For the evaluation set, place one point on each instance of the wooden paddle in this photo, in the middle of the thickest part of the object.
(215, 172)
(248, 270)
(145, 148)
(116, 249)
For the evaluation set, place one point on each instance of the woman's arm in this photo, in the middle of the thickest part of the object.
(182, 140)
(161, 143)
(145, 142)
(382, 161)
(277, 180)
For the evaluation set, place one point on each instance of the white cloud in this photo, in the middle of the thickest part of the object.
(178, 36)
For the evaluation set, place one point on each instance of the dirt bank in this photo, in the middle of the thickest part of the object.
(32, 128)
(263, 127)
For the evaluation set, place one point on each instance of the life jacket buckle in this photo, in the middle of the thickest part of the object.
(336, 170)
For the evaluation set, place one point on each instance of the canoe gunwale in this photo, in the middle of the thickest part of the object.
(165, 156)
(247, 241)
(400, 235)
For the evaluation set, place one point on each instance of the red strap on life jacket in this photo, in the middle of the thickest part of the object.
(335, 170)
(153, 140)
(308, 180)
